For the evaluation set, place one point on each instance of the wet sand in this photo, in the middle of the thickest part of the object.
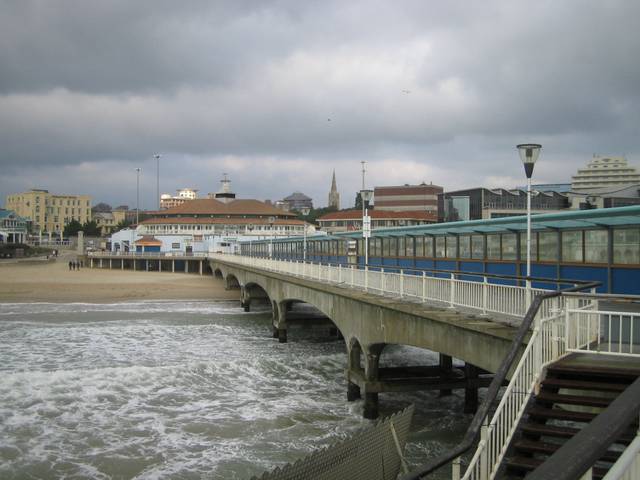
(54, 282)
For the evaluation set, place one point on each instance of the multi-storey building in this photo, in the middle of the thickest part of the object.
(604, 172)
(407, 198)
(50, 212)
(108, 221)
(483, 203)
(349, 220)
(184, 194)
(13, 228)
(297, 201)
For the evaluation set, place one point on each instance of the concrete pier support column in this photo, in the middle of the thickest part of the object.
(186, 266)
(134, 264)
(281, 320)
(446, 365)
(173, 266)
(91, 263)
(353, 390)
(160, 265)
(100, 263)
(372, 356)
(470, 392)
(245, 299)
(122, 264)
(147, 265)
(201, 267)
(110, 264)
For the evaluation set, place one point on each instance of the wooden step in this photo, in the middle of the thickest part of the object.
(557, 431)
(583, 385)
(584, 400)
(528, 464)
(613, 375)
(546, 448)
(558, 414)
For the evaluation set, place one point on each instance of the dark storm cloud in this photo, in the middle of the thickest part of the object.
(432, 90)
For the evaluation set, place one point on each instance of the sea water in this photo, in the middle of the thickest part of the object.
(183, 390)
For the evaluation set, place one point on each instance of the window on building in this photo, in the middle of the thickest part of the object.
(477, 247)
(440, 247)
(464, 246)
(493, 247)
(548, 246)
(596, 246)
(452, 246)
(626, 245)
(572, 246)
(509, 246)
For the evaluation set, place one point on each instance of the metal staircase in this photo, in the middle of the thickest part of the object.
(570, 397)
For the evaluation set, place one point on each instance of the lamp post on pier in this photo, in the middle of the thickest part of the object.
(157, 157)
(365, 197)
(304, 211)
(138, 170)
(529, 153)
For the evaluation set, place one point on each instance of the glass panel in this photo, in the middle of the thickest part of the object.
(534, 246)
(493, 247)
(401, 247)
(509, 247)
(572, 246)
(452, 245)
(428, 247)
(464, 243)
(419, 246)
(477, 247)
(440, 252)
(626, 245)
(409, 246)
(385, 247)
(375, 244)
(548, 246)
(393, 247)
(595, 246)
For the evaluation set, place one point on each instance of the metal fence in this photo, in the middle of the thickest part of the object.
(372, 454)
(456, 290)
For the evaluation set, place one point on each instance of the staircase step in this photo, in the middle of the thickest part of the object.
(528, 464)
(584, 385)
(584, 400)
(613, 375)
(557, 414)
(532, 447)
(557, 431)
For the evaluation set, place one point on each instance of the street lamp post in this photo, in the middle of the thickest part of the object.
(304, 211)
(272, 220)
(365, 197)
(157, 157)
(529, 154)
(138, 170)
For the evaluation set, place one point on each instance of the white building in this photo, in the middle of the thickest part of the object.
(603, 172)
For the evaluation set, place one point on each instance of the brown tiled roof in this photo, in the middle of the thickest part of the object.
(378, 214)
(148, 241)
(211, 206)
(220, 221)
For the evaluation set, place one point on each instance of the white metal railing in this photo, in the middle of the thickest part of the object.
(147, 254)
(603, 332)
(483, 295)
(627, 467)
(546, 345)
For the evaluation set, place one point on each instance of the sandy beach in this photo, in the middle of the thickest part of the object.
(54, 282)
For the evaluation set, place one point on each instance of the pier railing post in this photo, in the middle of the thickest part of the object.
(455, 469)
(352, 274)
(339, 273)
(452, 289)
(366, 278)
(485, 294)
(424, 286)
(382, 282)
(401, 283)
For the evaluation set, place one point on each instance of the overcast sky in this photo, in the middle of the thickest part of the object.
(279, 93)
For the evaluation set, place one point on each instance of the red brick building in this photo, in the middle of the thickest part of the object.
(407, 198)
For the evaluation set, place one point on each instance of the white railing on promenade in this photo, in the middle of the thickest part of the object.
(603, 332)
(484, 296)
(147, 254)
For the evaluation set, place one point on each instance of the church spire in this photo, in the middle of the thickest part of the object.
(334, 196)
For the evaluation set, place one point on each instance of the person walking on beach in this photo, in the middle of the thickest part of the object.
(70, 265)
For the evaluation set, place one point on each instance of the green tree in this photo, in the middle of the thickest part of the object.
(72, 228)
(122, 225)
(91, 229)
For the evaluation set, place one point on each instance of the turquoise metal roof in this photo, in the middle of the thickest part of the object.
(575, 219)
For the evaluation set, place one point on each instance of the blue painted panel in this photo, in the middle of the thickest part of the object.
(541, 271)
(626, 280)
(426, 264)
(405, 263)
(502, 269)
(444, 265)
(151, 248)
(585, 273)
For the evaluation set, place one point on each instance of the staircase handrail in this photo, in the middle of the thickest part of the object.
(581, 452)
(491, 396)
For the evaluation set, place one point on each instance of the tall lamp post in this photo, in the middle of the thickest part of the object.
(529, 154)
(304, 211)
(138, 170)
(157, 157)
(365, 197)
(272, 221)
